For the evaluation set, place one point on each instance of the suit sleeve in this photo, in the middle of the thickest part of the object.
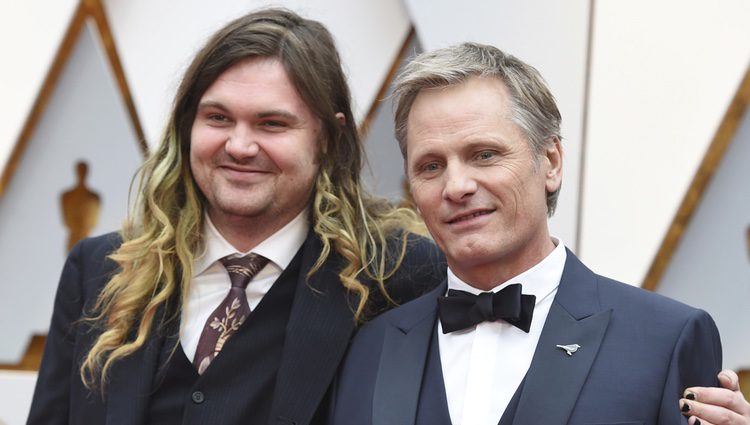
(51, 401)
(696, 361)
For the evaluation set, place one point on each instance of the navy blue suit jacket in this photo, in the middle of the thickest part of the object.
(638, 352)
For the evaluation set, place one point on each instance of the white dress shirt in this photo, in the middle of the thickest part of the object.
(483, 366)
(210, 284)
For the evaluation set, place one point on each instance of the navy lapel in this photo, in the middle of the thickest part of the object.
(432, 408)
(317, 336)
(510, 409)
(402, 364)
(555, 379)
(130, 381)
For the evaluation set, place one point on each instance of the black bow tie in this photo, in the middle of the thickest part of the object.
(462, 310)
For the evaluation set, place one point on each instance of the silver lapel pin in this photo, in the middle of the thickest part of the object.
(570, 348)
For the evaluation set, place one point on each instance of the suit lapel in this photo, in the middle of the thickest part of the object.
(402, 364)
(555, 379)
(130, 381)
(317, 336)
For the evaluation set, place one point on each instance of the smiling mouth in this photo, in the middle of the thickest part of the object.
(468, 216)
(240, 169)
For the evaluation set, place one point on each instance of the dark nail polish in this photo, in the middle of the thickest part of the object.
(697, 422)
(690, 396)
(685, 408)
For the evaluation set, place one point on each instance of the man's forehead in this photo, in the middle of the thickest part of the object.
(471, 103)
(466, 98)
(476, 82)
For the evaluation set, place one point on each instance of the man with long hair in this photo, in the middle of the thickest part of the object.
(256, 179)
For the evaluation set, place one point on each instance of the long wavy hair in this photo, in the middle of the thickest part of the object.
(162, 235)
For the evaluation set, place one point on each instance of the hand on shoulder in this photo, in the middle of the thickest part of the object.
(717, 406)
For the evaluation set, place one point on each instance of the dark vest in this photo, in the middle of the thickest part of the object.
(239, 384)
(433, 404)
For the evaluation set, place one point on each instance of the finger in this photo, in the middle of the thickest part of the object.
(709, 414)
(720, 397)
(694, 420)
(729, 380)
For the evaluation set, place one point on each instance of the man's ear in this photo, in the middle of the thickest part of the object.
(554, 157)
(340, 116)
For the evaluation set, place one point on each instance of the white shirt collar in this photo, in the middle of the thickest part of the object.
(540, 280)
(279, 248)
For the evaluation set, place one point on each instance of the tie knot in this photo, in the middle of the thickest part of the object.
(242, 269)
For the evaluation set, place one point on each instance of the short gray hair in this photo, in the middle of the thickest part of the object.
(533, 108)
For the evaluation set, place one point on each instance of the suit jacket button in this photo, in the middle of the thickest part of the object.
(198, 397)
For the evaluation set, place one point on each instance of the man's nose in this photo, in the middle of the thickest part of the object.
(242, 142)
(459, 183)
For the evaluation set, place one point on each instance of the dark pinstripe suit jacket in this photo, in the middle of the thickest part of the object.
(318, 333)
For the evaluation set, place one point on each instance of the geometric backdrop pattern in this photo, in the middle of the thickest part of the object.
(84, 121)
(642, 86)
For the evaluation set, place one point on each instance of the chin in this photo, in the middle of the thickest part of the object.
(239, 210)
(468, 257)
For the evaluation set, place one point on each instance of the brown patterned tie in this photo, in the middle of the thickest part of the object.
(231, 313)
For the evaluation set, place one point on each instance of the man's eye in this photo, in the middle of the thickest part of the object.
(432, 166)
(274, 124)
(486, 155)
(218, 118)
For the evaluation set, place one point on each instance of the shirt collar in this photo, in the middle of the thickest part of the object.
(280, 248)
(540, 280)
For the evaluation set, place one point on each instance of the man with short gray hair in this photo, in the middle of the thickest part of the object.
(520, 331)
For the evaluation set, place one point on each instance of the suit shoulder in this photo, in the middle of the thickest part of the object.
(88, 262)
(421, 250)
(408, 314)
(613, 291)
(422, 267)
(624, 298)
(101, 245)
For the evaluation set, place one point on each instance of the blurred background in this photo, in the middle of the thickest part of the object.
(653, 95)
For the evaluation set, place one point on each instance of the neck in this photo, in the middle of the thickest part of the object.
(487, 276)
(245, 233)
